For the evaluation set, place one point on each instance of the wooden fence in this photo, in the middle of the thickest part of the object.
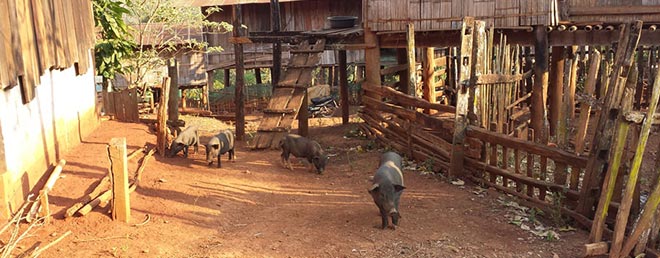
(123, 105)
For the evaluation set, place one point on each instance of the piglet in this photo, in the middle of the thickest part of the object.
(184, 140)
(302, 147)
(220, 144)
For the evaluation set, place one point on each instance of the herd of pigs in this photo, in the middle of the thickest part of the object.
(387, 184)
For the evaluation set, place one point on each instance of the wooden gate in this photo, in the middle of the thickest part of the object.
(123, 105)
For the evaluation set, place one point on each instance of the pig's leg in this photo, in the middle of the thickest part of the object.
(219, 162)
(185, 151)
(232, 155)
(196, 147)
(396, 204)
(383, 217)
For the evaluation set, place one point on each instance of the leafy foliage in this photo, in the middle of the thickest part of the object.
(114, 41)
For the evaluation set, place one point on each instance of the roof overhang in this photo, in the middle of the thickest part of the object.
(202, 3)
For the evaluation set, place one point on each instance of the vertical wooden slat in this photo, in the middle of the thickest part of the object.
(121, 207)
(8, 63)
(412, 63)
(30, 76)
(240, 76)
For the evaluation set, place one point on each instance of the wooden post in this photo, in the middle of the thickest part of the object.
(639, 93)
(404, 76)
(429, 78)
(257, 75)
(572, 83)
(372, 61)
(556, 87)
(173, 102)
(121, 207)
(412, 64)
(184, 105)
(209, 86)
(343, 85)
(275, 21)
(628, 39)
(540, 91)
(462, 92)
(240, 75)
(585, 107)
(227, 77)
(162, 117)
(303, 116)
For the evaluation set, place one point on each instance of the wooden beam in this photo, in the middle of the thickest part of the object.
(585, 107)
(499, 78)
(407, 100)
(556, 87)
(121, 207)
(394, 69)
(257, 75)
(303, 116)
(275, 21)
(226, 79)
(404, 75)
(343, 85)
(412, 64)
(540, 88)
(470, 27)
(372, 60)
(239, 93)
(615, 10)
(429, 76)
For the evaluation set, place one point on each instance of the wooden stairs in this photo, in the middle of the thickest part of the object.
(288, 95)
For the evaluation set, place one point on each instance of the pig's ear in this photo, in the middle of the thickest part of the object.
(399, 188)
(373, 188)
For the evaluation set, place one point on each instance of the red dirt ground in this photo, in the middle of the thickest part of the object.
(256, 208)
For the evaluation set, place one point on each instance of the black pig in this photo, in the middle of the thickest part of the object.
(183, 141)
(220, 144)
(302, 147)
(387, 188)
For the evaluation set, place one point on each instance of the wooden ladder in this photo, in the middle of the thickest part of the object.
(288, 95)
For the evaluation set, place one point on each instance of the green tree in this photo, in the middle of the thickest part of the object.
(113, 43)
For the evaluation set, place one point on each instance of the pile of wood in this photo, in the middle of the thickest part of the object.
(102, 193)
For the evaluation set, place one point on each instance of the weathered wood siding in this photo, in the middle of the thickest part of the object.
(388, 15)
(613, 11)
(296, 16)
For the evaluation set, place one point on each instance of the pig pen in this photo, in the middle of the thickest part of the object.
(257, 208)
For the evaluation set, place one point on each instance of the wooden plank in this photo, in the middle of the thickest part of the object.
(8, 63)
(121, 207)
(615, 10)
(429, 77)
(41, 17)
(499, 78)
(556, 87)
(239, 92)
(470, 27)
(30, 72)
(585, 107)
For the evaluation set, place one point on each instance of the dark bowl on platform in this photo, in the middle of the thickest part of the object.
(339, 22)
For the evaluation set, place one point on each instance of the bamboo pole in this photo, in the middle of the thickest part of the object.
(651, 205)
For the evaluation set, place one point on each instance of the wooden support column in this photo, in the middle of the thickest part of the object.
(540, 90)
(585, 107)
(173, 102)
(404, 76)
(556, 87)
(184, 105)
(162, 117)
(429, 78)
(226, 79)
(275, 26)
(372, 61)
(343, 85)
(257, 75)
(412, 64)
(121, 207)
(572, 83)
(240, 75)
(209, 85)
(303, 116)
(639, 93)
(462, 91)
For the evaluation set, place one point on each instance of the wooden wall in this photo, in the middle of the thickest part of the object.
(296, 16)
(39, 35)
(389, 15)
(613, 11)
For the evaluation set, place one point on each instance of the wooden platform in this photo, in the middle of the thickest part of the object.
(288, 95)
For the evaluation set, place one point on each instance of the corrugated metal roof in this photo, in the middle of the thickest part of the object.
(200, 3)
